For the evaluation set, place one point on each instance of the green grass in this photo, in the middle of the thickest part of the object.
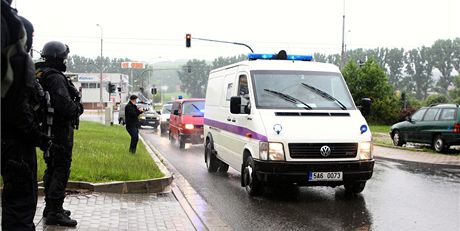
(100, 154)
(380, 128)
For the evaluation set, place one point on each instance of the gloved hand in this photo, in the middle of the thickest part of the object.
(80, 109)
(45, 142)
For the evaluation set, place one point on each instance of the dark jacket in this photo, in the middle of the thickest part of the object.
(132, 114)
(66, 109)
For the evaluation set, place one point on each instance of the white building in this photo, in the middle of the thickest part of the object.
(89, 83)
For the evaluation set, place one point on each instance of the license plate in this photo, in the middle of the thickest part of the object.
(325, 176)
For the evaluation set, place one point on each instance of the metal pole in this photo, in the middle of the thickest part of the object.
(100, 77)
(343, 36)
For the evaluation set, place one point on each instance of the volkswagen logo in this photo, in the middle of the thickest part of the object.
(325, 151)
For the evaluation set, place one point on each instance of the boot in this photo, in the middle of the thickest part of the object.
(47, 209)
(59, 218)
(56, 216)
(65, 211)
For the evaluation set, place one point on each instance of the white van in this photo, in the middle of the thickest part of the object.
(282, 119)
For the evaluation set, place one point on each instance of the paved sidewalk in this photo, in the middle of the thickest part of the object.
(105, 211)
(416, 156)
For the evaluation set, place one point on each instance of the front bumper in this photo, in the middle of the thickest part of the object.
(194, 138)
(153, 123)
(271, 172)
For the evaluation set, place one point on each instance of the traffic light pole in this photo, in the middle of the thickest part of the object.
(220, 41)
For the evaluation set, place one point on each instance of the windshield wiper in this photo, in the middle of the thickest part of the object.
(325, 95)
(289, 98)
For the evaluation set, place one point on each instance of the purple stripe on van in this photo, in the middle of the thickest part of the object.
(242, 131)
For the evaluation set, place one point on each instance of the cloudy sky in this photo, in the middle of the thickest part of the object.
(152, 30)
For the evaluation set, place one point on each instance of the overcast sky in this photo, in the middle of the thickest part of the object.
(145, 30)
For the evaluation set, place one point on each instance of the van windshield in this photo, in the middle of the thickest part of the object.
(301, 90)
(193, 108)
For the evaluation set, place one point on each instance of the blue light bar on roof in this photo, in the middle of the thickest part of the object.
(253, 56)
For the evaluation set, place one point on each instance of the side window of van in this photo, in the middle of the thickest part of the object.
(243, 89)
(175, 108)
(229, 91)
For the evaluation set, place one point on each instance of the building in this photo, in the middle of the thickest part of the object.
(89, 84)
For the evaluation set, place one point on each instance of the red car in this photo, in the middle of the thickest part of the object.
(186, 121)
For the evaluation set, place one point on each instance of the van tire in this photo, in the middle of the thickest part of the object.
(223, 168)
(171, 138)
(181, 143)
(354, 187)
(211, 160)
(252, 184)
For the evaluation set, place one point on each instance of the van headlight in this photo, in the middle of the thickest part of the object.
(189, 126)
(142, 117)
(271, 151)
(365, 150)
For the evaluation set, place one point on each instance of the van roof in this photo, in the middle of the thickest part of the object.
(283, 65)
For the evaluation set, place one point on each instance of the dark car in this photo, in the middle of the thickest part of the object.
(149, 118)
(437, 125)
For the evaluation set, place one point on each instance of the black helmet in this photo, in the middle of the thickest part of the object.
(56, 50)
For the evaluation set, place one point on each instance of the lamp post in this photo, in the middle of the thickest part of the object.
(100, 77)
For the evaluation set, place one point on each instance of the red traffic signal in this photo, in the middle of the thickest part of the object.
(188, 40)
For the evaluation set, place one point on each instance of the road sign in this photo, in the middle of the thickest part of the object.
(134, 65)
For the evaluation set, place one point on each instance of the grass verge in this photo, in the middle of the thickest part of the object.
(100, 154)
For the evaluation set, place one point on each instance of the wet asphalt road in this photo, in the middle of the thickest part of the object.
(398, 197)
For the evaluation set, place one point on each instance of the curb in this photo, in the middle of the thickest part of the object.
(202, 216)
(136, 186)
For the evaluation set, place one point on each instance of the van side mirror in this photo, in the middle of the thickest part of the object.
(366, 107)
(159, 112)
(235, 105)
(176, 112)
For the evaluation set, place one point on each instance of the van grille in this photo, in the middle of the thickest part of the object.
(312, 150)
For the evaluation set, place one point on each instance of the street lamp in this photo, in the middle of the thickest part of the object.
(100, 77)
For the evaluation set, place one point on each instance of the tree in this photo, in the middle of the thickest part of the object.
(395, 64)
(436, 99)
(419, 68)
(370, 81)
(455, 93)
(194, 77)
(442, 58)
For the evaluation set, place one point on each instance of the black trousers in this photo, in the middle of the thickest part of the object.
(19, 196)
(134, 133)
(58, 165)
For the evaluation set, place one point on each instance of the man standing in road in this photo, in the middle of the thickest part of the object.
(66, 111)
(132, 122)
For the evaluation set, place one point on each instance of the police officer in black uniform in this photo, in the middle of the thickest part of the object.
(132, 122)
(20, 130)
(63, 94)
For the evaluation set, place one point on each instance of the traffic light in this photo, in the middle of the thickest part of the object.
(111, 88)
(188, 40)
(153, 90)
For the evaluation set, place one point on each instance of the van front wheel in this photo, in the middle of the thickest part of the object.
(211, 160)
(354, 187)
(253, 186)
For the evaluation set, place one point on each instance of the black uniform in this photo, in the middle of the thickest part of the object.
(20, 131)
(66, 110)
(132, 124)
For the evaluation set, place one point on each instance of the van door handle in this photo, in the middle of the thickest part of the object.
(233, 120)
(228, 119)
